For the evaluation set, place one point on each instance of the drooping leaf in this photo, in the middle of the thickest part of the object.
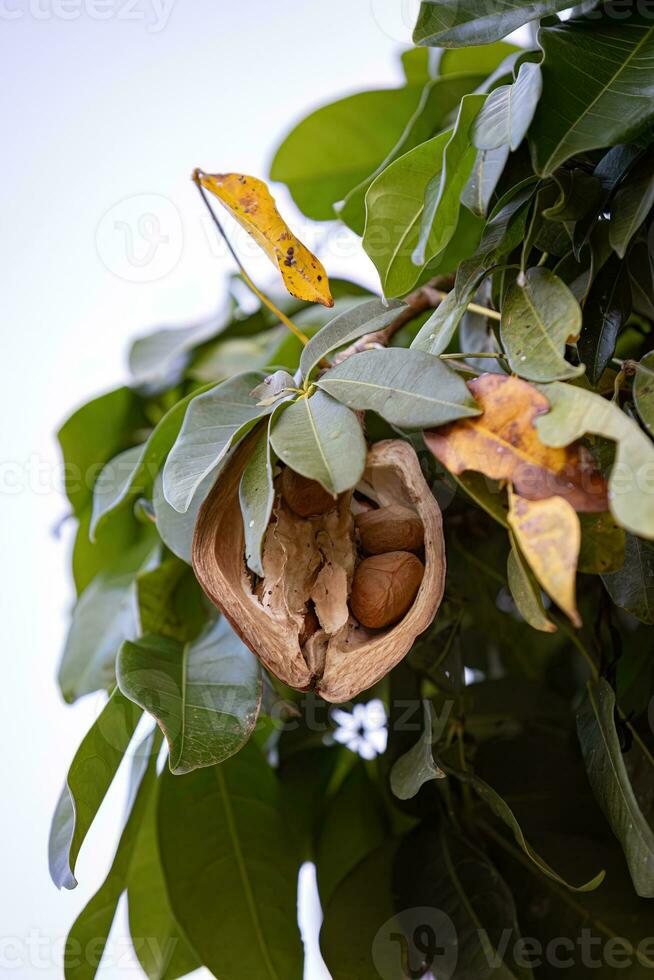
(175, 529)
(321, 439)
(631, 204)
(442, 201)
(249, 202)
(608, 771)
(112, 485)
(575, 411)
(632, 586)
(339, 145)
(213, 423)
(606, 311)
(644, 391)
(455, 23)
(89, 777)
(205, 694)
(486, 172)
(508, 111)
(406, 387)
(504, 444)
(539, 316)
(365, 318)
(526, 591)
(436, 333)
(231, 868)
(590, 65)
(549, 536)
(256, 497)
(438, 99)
(416, 767)
(91, 929)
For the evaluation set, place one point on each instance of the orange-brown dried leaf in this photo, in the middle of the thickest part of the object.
(249, 201)
(503, 444)
(549, 535)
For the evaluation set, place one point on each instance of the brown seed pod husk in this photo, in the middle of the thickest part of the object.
(309, 563)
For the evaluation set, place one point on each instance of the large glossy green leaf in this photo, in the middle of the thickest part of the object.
(105, 615)
(231, 868)
(442, 201)
(608, 771)
(416, 767)
(339, 145)
(408, 388)
(631, 204)
(171, 602)
(323, 440)
(256, 496)
(352, 825)
(212, 424)
(644, 391)
(598, 86)
(91, 929)
(438, 99)
(486, 59)
(161, 949)
(486, 172)
(574, 412)
(92, 435)
(205, 694)
(539, 315)
(508, 111)
(454, 23)
(365, 318)
(175, 529)
(606, 311)
(632, 586)
(89, 777)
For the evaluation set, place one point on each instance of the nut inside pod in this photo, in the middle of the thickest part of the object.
(297, 618)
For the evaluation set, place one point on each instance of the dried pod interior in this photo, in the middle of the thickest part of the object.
(348, 583)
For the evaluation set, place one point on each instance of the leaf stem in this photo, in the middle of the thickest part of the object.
(476, 308)
(448, 357)
(304, 340)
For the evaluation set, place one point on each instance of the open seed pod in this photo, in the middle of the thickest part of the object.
(297, 619)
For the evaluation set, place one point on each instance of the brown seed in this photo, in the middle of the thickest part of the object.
(305, 497)
(385, 587)
(393, 528)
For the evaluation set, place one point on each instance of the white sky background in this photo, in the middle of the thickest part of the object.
(102, 102)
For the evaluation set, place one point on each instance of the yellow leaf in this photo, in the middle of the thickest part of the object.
(249, 202)
(549, 535)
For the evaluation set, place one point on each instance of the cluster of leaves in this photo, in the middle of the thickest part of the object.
(509, 193)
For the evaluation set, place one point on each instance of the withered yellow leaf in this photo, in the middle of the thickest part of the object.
(503, 443)
(549, 536)
(249, 201)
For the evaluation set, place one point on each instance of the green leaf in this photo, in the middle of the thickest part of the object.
(116, 538)
(170, 601)
(416, 767)
(632, 586)
(408, 388)
(416, 65)
(607, 768)
(205, 695)
(438, 330)
(606, 311)
(631, 204)
(644, 391)
(256, 497)
(353, 824)
(91, 929)
(438, 99)
(175, 529)
(322, 440)
(539, 315)
(105, 614)
(503, 812)
(94, 434)
(526, 591)
(598, 86)
(455, 23)
(158, 943)
(442, 201)
(89, 777)
(479, 59)
(602, 544)
(339, 145)
(131, 474)
(213, 423)
(365, 318)
(231, 869)
(574, 412)
(509, 109)
(486, 172)
(159, 359)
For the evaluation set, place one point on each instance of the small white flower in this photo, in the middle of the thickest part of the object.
(363, 730)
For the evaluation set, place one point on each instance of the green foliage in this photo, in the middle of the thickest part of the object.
(505, 198)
